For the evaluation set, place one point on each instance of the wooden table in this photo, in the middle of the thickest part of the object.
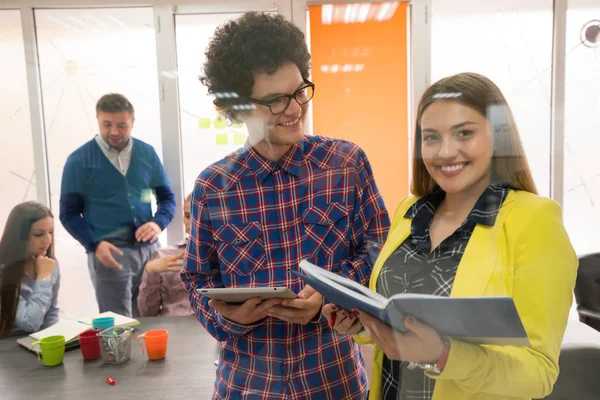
(187, 372)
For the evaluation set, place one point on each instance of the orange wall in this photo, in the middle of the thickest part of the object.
(368, 107)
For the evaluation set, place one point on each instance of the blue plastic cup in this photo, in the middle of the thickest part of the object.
(103, 323)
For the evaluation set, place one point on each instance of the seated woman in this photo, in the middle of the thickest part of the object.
(161, 291)
(474, 227)
(29, 274)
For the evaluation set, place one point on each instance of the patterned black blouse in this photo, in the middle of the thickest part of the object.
(414, 268)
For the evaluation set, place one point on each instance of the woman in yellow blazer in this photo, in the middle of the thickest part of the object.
(475, 227)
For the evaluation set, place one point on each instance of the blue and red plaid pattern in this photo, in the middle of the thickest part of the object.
(253, 221)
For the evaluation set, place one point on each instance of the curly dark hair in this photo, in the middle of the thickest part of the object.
(254, 43)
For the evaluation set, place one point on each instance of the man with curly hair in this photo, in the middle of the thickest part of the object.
(258, 212)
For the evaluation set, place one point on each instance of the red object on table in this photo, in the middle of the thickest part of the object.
(110, 381)
(90, 344)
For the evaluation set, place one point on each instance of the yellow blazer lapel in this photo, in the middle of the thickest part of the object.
(477, 264)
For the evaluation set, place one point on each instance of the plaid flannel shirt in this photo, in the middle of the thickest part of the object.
(253, 221)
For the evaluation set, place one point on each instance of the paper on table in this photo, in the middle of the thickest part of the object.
(69, 329)
(120, 320)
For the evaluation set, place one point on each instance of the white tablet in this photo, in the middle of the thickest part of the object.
(240, 295)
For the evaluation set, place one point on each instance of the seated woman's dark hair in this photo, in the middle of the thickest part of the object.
(13, 254)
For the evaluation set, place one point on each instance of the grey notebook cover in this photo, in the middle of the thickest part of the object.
(481, 320)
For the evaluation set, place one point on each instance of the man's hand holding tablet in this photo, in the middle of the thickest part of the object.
(246, 306)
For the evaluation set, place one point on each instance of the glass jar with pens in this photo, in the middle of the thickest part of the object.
(116, 345)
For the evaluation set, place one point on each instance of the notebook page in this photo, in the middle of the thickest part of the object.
(69, 329)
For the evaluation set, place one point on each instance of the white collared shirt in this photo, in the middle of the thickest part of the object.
(119, 159)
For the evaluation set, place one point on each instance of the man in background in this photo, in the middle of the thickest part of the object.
(105, 204)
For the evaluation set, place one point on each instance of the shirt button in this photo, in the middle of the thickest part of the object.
(285, 232)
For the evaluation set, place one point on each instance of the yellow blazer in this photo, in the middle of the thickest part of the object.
(526, 255)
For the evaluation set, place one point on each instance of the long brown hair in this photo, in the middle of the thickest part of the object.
(509, 163)
(13, 254)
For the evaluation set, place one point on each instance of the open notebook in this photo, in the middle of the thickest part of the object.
(481, 320)
(71, 330)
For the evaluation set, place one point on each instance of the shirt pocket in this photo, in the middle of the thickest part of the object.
(240, 247)
(325, 230)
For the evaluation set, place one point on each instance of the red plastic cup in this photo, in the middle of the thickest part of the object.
(90, 344)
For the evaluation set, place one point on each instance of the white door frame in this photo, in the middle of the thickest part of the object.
(557, 102)
(36, 107)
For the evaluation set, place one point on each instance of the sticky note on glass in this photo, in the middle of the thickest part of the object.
(239, 139)
(237, 125)
(146, 196)
(222, 139)
(220, 123)
(204, 123)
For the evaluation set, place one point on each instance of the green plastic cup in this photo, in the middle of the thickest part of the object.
(52, 349)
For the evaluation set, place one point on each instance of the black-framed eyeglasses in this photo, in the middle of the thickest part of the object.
(278, 105)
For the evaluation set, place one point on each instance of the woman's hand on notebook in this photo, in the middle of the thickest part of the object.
(341, 320)
(421, 343)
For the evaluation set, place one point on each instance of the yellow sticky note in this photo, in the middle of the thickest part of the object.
(220, 123)
(239, 139)
(204, 123)
(237, 125)
(222, 139)
(146, 196)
